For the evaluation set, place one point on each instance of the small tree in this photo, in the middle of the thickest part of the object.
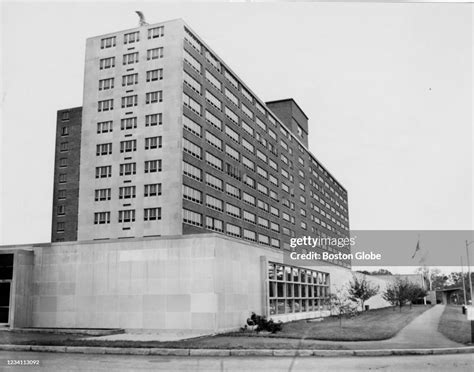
(398, 293)
(360, 290)
(341, 305)
(415, 292)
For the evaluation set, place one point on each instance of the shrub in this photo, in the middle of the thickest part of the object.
(263, 324)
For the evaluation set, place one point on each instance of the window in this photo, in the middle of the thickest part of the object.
(247, 198)
(214, 182)
(213, 61)
(130, 58)
(193, 62)
(211, 119)
(247, 145)
(152, 189)
(213, 140)
(127, 192)
(273, 164)
(103, 171)
(104, 149)
(128, 146)
(262, 205)
(274, 226)
(213, 80)
(64, 146)
(214, 224)
(260, 108)
(261, 188)
(261, 124)
(249, 217)
(233, 153)
(127, 215)
(62, 178)
(192, 82)
(156, 32)
(129, 123)
(105, 84)
(61, 194)
(248, 163)
(130, 101)
(273, 179)
(192, 218)
(232, 190)
(213, 161)
(231, 97)
(153, 119)
(231, 79)
(153, 97)
(247, 128)
(231, 115)
(249, 181)
(152, 214)
(106, 63)
(192, 194)
(131, 37)
(261, 156)
(155, 53)
(152, 143)
(152, 166)
(263, 239)
(154, 75)
(271, 120)
(274, 211)
(60, 227)
(192, 148)
(192, 171)
(263, 222)
(102, 194)
(128, 169)
(272, 134)
(250, 235)
(192, 40)
(65, 116)
(130, 79)
(192, 126)
(232, 134)
(213, 100)
(262, 172)
(105, 105)
(108, 42)
(232, 210)
(191, 104)
(247, 111)
(214, 203)
(61, 210)
(232, 230)
(246, 94)
(101, 218)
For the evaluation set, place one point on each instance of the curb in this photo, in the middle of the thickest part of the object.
(235, 352)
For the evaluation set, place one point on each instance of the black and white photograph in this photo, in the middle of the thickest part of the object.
(236, 186)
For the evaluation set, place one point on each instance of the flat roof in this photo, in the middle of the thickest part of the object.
(288, 99)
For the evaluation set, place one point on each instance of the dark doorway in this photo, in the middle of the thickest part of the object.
(6, 275)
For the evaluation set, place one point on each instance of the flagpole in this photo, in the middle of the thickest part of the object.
(463, 284)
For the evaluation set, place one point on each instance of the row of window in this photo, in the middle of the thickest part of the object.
(129, 145)
(130, 101)
(132, 37)
(131, 58)
(211, 223)
(128, 215)
(131, 79)
(130, 123)
(126, 169)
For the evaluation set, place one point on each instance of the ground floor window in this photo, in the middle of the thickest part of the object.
(294, 289)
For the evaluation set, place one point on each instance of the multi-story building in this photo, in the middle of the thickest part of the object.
(177, 194)
(173, 142)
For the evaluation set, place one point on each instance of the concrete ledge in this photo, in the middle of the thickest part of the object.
(372, 352)
(333, 353)
(171, 352)
(251, 352)
(209, 352)
(50, 349)
(234, 352)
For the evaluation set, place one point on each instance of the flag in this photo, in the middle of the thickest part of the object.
(416, 249)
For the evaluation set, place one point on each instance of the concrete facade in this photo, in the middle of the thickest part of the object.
(206, 283)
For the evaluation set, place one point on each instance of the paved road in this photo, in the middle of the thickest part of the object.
(117, 363)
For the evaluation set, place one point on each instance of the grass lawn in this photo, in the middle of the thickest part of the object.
(379, 324)
(371, 325)
(454, 325)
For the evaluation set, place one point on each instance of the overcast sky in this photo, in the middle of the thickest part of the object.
(387, 89)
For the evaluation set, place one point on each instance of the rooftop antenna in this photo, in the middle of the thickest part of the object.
(142, 18)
